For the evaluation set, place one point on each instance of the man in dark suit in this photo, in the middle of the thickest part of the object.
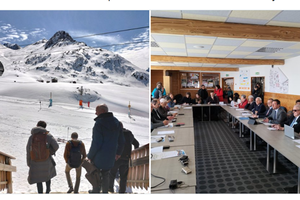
(293, 121)
(278, 115)
(259, 108)
(155, 122)
(251, 103)
(270, 108)
(155, 113)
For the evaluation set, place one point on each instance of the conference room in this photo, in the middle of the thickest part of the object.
(221, 147)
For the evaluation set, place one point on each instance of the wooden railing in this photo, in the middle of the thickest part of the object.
(6, 170)
(138, 175)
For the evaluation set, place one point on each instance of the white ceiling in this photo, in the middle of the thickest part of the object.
(217, 47)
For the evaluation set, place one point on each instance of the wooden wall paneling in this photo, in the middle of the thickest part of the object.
(156, 76)
(286, 100)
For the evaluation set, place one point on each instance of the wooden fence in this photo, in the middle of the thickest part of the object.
(138, 175)
(6, 170)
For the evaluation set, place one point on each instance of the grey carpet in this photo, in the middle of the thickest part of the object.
(224, 163)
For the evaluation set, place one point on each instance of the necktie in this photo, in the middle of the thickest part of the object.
(275, 117)
(292, 124)
(268, 111)
(157, 114)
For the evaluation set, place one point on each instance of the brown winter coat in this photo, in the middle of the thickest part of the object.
(68, 149)
(45, 170)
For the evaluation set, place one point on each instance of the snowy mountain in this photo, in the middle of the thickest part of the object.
(63, 59)
(12, 46)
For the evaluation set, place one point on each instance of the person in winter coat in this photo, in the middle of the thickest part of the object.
(203, 94)
(123, 162)
(219, 92)
(75, 142)
(107, 144)
(159, 91)
(41, 171)
(229, 95)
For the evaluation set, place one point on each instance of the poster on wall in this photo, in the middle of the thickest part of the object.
(244, 81)
(279, 83)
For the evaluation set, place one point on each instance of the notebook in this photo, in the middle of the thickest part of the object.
(289, 132)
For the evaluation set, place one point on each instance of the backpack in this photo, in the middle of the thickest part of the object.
(39, 150)
(75, 155)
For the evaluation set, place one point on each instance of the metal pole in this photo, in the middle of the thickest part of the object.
(268, 158)
(274, 161)
(251, 140)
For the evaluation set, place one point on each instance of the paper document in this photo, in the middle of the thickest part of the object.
(298, 146)
(187, 108)
(297, 141)
(271, 128)
(246, 114)
(165, 132)
(240, 109)
(157, 149)
(267, 124)
(167, 154)
(170, 125)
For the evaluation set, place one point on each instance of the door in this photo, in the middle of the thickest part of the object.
(261, 80)
(227, 82)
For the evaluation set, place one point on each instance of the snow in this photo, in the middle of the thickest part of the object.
(20, 110)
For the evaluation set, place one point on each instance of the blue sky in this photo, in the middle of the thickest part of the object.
(27, 27)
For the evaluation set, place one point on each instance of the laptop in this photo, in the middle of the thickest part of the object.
(289, 132)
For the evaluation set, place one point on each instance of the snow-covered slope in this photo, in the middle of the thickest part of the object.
(66, 60)
(24, 104)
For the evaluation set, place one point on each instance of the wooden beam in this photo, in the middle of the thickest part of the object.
(9, 168)
(221, 69)
(233, 61)
(220, 29)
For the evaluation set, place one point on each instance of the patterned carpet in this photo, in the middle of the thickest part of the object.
(224, 163)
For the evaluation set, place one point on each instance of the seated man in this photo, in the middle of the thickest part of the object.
(155, 121)
(250, 105)
(278, 115)
(244, 101)
(259, 109)
(293, 121)
(171, 101)
(163, 111)
(270, 108)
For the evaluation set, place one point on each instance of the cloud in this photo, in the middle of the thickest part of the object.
(37, 32)
(137, 52)
(11, 34)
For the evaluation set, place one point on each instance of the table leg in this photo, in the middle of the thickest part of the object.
(240, 129)
(268, 158)
(202, 112)
(254, 141)
(251, 140)
(274, 161)
(298, 190)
